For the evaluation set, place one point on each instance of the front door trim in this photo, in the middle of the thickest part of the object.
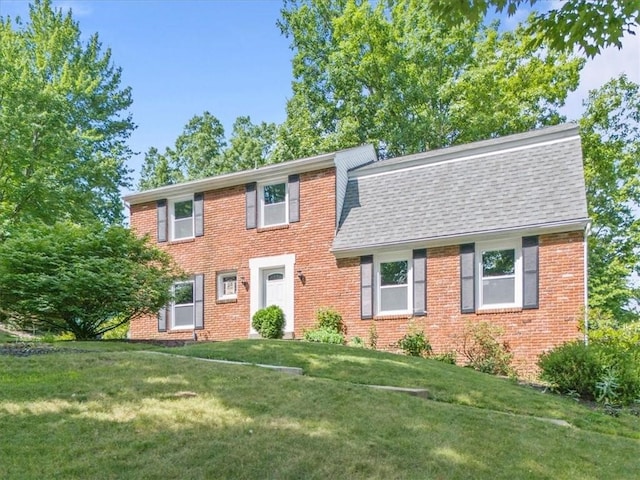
(256, 268)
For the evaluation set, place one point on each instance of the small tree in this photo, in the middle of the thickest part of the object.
(86, 279)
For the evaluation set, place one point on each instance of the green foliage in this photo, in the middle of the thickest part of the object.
(447, 357)
(324, 335)
(269, 322)
(484, 351)
(64, 122)
(356, 342)
(610, 132)
(201, 151)
(390, 74)
(330, 319)
(605, 372)
(86, 280)
(329, 327)
(415, 344)
(591, 25)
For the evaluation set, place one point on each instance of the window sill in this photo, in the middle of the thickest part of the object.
(269, 228)
(491, 311)
(182, 240)
(226, 300)
(401, 316)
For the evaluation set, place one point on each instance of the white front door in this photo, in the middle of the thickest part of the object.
(272, 283)
(273, 287)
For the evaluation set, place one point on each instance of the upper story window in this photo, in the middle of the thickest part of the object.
(182, 218)
(273, 204)
(500, 274)
(393, 280)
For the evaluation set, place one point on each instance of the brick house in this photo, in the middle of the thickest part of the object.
(490, 231)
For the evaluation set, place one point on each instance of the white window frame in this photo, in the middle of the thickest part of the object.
(388, 258)
(172, 217)
(261, 188)
(192, 304)
(221, 295)
(510, 244)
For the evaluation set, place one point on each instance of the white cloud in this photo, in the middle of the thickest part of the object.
(610, 63)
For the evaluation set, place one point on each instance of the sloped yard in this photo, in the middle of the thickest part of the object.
(108, 411)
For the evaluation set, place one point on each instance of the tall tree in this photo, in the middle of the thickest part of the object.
(198, 149)
(588, 24)
(201, 151)
(251, 145)
(610, 129)
(64, 122)
(388, 73)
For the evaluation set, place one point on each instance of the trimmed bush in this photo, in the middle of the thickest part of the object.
(415, 344)
(269, 322)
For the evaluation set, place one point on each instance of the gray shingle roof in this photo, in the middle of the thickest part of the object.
(515, 182)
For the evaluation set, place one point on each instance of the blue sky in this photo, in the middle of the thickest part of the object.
(228, 57)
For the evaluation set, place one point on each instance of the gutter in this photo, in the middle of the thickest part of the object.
(455, 239)
(587, 231)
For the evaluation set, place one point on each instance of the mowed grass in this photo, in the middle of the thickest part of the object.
(106, 411)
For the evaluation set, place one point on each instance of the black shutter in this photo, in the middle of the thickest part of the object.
(419, 281)
(162, 319)
(198, 212)
(251, 198)
(294, 198)
(199, 301)
(530, 277)
(366, 287)
(161, 209)
(467, 278)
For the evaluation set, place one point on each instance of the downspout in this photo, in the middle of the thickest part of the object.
(587, 230)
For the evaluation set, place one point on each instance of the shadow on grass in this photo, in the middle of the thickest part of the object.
(126, 415)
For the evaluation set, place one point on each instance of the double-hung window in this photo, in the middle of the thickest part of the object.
(500, 274)
(182, 218)
(273, 204)
(394, 294)
(183, 305)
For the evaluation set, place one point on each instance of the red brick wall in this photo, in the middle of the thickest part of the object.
(228, 245)
(528, 332)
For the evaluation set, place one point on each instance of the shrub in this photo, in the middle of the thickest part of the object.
(415, 344)
(572, 366)
(329, 328)
(603, 372)
(269, 322)
(356, 342)
(324, 335)
(330, 320)
(373, 337)
(484, 351)
(446, 357)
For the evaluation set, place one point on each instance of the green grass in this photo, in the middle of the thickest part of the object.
(117, 412)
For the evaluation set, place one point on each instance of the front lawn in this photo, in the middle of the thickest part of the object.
(124, 413)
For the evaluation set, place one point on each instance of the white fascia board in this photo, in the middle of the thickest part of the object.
(231, 179)
(472, 237)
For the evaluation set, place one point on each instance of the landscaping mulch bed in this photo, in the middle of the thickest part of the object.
(25, 349)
